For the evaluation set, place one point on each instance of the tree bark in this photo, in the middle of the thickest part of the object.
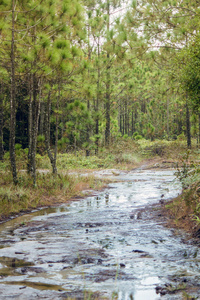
(13, 101)
(56, 133)
(88, 132)
(120, 117)
(1, 123)
(42, 112)
(199, 130)
(107, 130)
(97, 105)
(47, 135)
(126, 116)
(132, 123)
(34, 114)
(188, 133)
(167, 118)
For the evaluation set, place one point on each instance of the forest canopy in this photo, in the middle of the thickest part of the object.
(82, 74)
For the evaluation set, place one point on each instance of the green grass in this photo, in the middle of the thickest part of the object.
(49, 190)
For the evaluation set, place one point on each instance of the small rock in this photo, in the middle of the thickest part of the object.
(90, 260)
(99, 262)
(154, 242)
(138, 251)
(158, 288)
(163, 292)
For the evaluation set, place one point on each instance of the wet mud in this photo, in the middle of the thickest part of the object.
(111, 245)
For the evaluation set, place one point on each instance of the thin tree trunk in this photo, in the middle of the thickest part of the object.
(56, 133)
(188, 133)
(1, 123)
(41, 131)
(13, 101)
(97, 106)
(107, 130)
(199, 130)
(120, 117)
(168, 117)
(88, 131)
(30, 123)
(128, 129)
(47, 135)
(123, 123)
(126, 117)
(34, 115)
(87, 152)
(132, 124)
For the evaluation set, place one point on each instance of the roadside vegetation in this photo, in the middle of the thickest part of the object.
(184, 211)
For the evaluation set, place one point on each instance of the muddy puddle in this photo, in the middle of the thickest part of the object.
(106, 246)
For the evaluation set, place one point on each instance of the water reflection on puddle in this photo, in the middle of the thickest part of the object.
(102, 243)
(149, 294)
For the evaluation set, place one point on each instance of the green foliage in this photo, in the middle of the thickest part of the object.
(18, 146)
(4, 165)
(189, 59)
(136, 136)
(97, 71)
(71, 161)
(41, 138)
(62, 144)
(62, 44)
(186, 172)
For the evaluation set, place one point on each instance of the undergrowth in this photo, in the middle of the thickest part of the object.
(49, 190)
(185, 209)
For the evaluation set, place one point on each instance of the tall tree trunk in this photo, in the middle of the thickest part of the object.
(199, 129)
(56, 133)
(126, 116)
(13, 101)
(88, 131)
(123, 122)
(47, 135)
(188, 133)
(97, 105)
(30, 123)
(107, 130)
(167, 117)
(132, 123)
(1, 122)
(34, 114)
(87, 152)
(42, 112)
(120, 117)
(128, 128)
